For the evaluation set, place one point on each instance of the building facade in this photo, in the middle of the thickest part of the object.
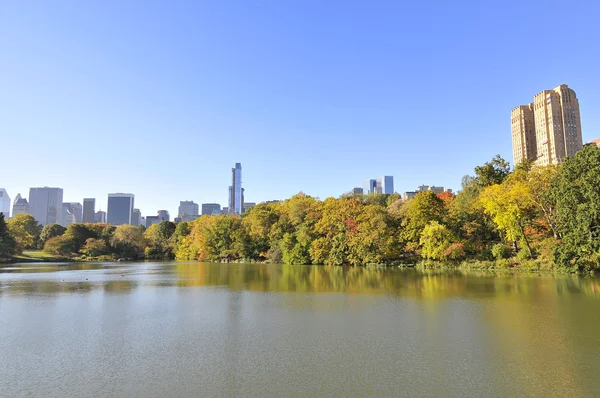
(72, 213)
(100, 217)
(236, 192)
(46, 205)
(188, 210)
(120, 208)
(136, 218)
(211, 209)
(89, 209)
(4, 203)
(163, 215)
(248, 206)
(551, 124)
(150, 220)
(20, 205)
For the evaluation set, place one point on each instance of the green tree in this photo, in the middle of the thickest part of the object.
(418, 212)
(435, 241)
(128, 242)
(95, 247)
(61, 245)
(8, 245)
(492, 172)
(80, 233)
(512, 207)
(25, 230)
(576, 190)
(50, 231)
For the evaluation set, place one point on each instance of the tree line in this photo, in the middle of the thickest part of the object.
(530, 216)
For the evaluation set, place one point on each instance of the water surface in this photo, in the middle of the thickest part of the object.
(182, 329)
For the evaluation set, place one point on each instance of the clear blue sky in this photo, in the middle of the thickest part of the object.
(160, 99)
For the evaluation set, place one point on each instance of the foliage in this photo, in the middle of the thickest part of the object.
(435, 241)
(62, 245)
(576, 190)
(95, 247)
(128, 242)
(493, 172)
(500, 251)
(25, 230)
(50, 231)
(8, 245)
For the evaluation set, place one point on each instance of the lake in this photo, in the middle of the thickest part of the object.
(187, 329)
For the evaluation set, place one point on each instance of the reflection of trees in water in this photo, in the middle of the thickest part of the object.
(359, 280)
(119, 286)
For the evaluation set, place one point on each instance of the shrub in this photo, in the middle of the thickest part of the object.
(500, 251)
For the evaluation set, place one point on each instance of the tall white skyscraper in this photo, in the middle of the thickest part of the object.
(45, 205)
(4, 203)
(236, 192)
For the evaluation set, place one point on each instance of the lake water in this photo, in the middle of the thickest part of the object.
(183, 329)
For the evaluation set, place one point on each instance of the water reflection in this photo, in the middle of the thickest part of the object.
(428, 285)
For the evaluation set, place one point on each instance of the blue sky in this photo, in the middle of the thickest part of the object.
(160, 99)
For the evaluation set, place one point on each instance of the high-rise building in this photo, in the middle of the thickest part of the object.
(100, 217)
(120, 208)
(20, 205)
(188, 210)
(163, 215)
(152, 220)
(89, 208)
(383, 185)
(236, 193)
(551, 124)
(248, 206)
(211, 209)
(45, 205)
(4, 203)
(72, 212)
(357, 191)
(136, 218)
(594, 142)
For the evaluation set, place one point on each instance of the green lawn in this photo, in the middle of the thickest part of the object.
(37, 255)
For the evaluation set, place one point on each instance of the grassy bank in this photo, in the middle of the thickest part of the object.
(34, 256)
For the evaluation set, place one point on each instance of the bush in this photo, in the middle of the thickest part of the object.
(523, 254)
(60, 245)
(455, 251)
(95, 247)
(500, 251)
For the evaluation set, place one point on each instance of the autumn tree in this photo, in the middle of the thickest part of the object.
(25, 230)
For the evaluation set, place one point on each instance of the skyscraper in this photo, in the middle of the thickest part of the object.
(4, 203)
(20, 205)
(136, 218)
(89, 208)
(188, 210)
(211, 209)
(236, 193)
(163, 215)
(120, 208)
(100, 217)
(45, 205)
(549, 129)
(384, 184)
(71, 213)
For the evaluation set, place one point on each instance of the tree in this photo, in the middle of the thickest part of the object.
(80, 233)
(418, 212)
(8, 245)
(61, 245)
(511, 206)
(50, 231)
(95, 247)
(576, 190)
(25, 230)
(435, 241)
(128, 241)
(492, 172)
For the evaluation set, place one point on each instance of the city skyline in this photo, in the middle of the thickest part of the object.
(211, 87)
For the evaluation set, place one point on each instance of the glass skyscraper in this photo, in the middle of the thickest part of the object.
(236, 193)
(120, 208)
